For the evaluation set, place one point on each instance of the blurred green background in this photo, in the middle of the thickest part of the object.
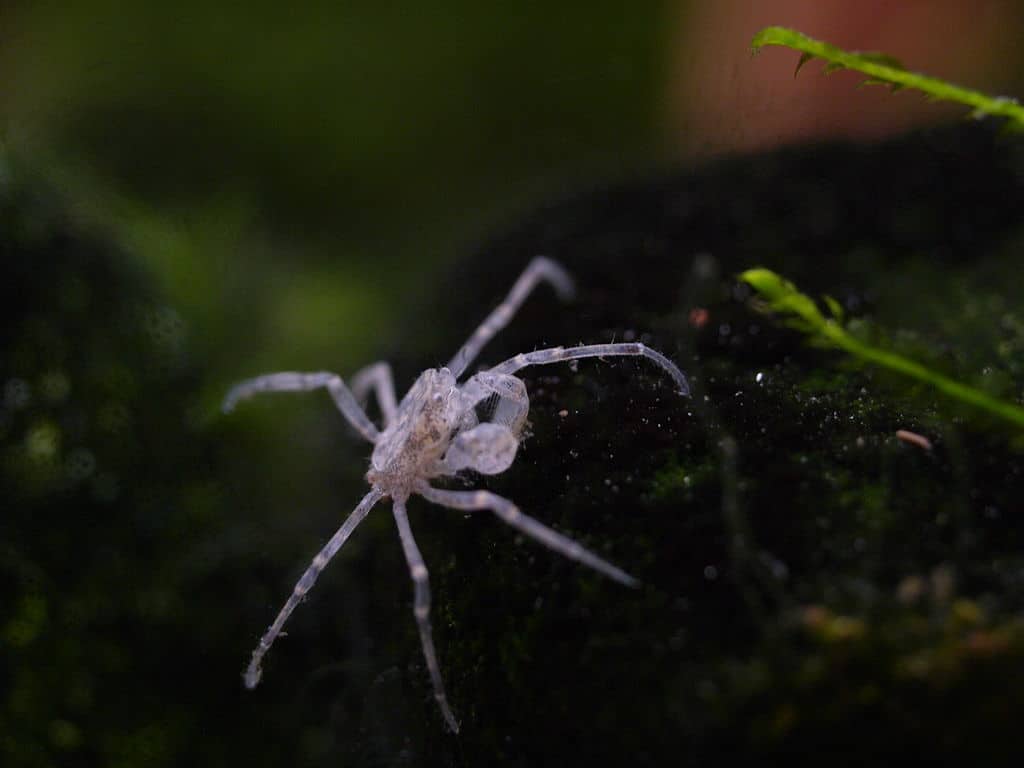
(194, 193)
(298, 170)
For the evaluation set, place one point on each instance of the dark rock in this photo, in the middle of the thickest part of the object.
(813, 587)
(812, 583)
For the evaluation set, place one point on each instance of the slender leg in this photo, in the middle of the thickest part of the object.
(510, 513)
(253, 673)
(303, 382)
(421, 608)
(540, 268)
(376, 377)
(558, 354)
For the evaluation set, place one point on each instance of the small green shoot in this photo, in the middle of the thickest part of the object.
(783, 298)
(885, 70)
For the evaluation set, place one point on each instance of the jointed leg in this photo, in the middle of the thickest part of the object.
(421, 608)
(510, 513)
(252, 674)
(377, 377)
(559, 354)
(303, 382)
(539, 269)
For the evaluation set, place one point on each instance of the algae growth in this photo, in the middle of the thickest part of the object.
(782, 297)
(811, 582)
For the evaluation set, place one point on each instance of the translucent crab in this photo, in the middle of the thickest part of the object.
(442, 428)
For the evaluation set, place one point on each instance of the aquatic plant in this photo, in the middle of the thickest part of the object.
(781, 297)
(882, 69)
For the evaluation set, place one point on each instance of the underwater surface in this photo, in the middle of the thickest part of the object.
(817, 581)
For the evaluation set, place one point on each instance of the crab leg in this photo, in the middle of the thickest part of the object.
(323, 557)
(560, 354)
(540, 268)
(377, 377)
(421, 608)
(511, 514)
(288, 381)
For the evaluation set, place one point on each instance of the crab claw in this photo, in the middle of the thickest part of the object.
(487, 448)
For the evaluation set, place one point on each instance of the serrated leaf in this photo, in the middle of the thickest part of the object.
(833, 306)
(877, 57)
(881, 68)
(782, 296)
(766, 282)
(804, 58)
(879, 81)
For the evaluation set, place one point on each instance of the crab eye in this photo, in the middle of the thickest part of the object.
(438, 398)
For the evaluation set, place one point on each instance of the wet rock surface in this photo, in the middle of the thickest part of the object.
(813, 579)
(814, 586)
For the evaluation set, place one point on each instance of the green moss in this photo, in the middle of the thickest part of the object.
(819, 587)
(800, 312)
(677, 482)
(883, 69)
(915, 653)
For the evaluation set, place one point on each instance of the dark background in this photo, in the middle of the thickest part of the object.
(191, 195)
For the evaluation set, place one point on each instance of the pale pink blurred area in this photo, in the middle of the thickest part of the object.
(721, 98)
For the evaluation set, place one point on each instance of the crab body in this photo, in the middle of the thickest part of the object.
(442, 428)
(414, 444)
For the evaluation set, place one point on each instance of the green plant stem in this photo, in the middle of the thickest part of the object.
(894, 362)
(886, 70)
(782, 297)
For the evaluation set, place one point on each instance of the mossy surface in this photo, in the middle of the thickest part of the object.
(778, 523)
(813, 586)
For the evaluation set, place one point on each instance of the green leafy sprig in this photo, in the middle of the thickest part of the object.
(783, 298)
(885, 70)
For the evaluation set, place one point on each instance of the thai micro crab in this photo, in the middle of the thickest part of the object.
(439, 429)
